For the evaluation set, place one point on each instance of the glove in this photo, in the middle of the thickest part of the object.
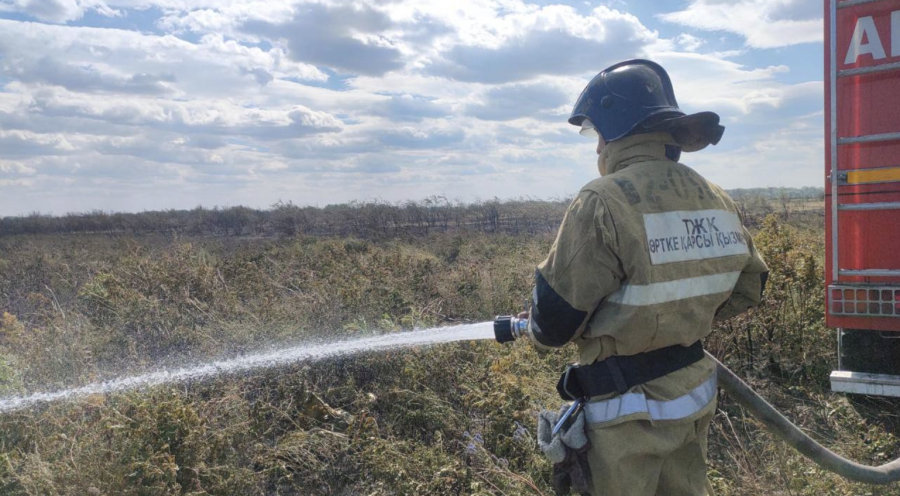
(571, 436)
(567, 450)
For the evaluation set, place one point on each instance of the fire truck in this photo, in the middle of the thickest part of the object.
(862, 193)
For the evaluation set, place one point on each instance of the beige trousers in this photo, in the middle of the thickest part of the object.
(635, 458)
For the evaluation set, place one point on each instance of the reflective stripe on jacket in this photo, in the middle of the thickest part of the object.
(646, 257)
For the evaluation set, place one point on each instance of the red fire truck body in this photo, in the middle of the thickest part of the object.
(862, 192)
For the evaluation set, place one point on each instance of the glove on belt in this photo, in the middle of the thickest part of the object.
(567, 450)
(621, 373)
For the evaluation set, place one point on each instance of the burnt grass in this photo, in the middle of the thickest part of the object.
(450, 419)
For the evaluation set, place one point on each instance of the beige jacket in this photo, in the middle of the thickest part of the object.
(646, 257)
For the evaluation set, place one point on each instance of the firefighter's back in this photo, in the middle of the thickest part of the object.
(682, 247)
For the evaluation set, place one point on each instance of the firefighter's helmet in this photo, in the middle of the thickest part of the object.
(635, 97)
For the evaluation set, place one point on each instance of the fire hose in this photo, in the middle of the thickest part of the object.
(799, 440)
(508, 328)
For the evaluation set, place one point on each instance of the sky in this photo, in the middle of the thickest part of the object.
(131, 105)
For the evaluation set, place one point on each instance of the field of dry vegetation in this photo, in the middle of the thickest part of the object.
(83, 304)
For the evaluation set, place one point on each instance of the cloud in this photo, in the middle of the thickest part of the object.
(408, 108)
(118, 60)
(345, 38)
(18, 144)
(155, 149)
(791, 150)
(326, 147)
(513, 101)
(322, 101)
(762, 23)
(707, 82)
(58, 11)
(87, 78)
(205, 141)
(221, 17)
(262, 76)
(796, 10)
(417, 138)
(196, 116)
(10, 168)
(688, 42)
(375, 165)
(554, 41)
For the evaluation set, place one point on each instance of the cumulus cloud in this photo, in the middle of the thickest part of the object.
(15, 168)
(58, 11)
(790, 150)
(26, 144)
(154, 149)
(553, 40)
(333, 100)
(87, 77)
(123, 60)
(408, 107)
(327, 148)
(348, 38)
(519, 100)
(370, 164)
(688, 42)
(706, 82)
(219, 117)
(762, 23)
(418, 138)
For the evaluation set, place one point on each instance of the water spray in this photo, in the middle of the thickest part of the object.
(256, 361)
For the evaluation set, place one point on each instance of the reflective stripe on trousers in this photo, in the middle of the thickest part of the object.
(631, 403)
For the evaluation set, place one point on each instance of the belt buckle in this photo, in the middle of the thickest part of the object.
(565, 383)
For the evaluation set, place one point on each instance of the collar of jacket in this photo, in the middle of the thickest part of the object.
(638, 148)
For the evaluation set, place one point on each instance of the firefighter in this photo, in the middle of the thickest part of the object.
(647, 257)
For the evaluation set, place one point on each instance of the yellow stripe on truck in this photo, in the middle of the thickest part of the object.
(882, 175)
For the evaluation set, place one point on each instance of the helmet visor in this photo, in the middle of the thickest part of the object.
(588, 129)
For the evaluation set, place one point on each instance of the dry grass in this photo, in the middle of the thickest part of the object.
(455, 419)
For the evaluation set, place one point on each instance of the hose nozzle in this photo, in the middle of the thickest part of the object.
(508, 328)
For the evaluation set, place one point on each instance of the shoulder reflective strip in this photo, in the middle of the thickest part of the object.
(679, 289)
(880, 175)
(633, 403)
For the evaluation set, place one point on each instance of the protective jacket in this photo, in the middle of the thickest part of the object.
(646, 257)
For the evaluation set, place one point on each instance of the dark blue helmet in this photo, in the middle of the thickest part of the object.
(635, 97)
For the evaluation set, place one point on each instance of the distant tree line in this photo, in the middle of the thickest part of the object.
(804, 193)
(360, 219)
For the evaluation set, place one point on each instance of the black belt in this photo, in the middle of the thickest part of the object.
(621, 373)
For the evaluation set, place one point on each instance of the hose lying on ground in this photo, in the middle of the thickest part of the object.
(790, 433)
